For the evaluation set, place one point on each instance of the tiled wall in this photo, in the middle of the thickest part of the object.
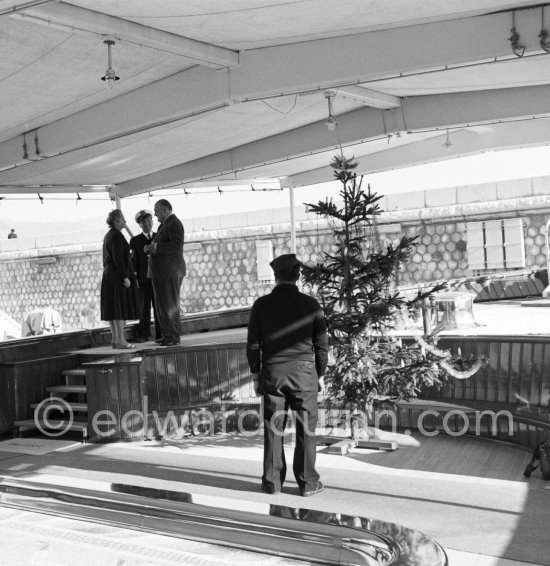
(70, 286)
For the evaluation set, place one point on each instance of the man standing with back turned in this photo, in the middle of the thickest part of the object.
(167, 270)
(287, 352)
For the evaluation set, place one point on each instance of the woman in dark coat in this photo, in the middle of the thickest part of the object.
(118, 285)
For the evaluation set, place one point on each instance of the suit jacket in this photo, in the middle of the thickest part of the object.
(139, 257)
(116, 255)
(167, 260)
(285, 326)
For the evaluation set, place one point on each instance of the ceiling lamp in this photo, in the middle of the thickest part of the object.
(543, 35)
(110, 77)
(448, 143)
(517, 47)
(331, 120)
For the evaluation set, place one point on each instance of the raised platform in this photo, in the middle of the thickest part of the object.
(188, 341)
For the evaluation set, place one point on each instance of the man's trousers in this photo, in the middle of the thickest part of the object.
(291, 385)
(146, 300)
(167, 299)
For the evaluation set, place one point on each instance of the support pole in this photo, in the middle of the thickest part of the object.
(292, 221)
(118, 202)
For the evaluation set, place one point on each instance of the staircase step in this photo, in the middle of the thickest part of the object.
(81, 426)
(74, 406)
(76, 371)
(67, 389)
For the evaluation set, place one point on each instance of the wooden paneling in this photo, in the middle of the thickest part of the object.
(515, 379)
(207, 321)
(517, 370)
(115, 395)
(492, 371)
(7, 400)
(51, 344)
(191, 376)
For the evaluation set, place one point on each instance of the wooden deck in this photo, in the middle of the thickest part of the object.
(462, 455)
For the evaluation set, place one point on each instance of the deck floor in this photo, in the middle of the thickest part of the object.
(462, 455)
(466, 493)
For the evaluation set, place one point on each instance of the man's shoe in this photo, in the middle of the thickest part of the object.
(269, 488)
(169, 342)
(309, 492)
(158, 340)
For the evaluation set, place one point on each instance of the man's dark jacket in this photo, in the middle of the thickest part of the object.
(287, 325)
(167, 260)
(139, 257)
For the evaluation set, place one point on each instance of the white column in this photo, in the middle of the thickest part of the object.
(292, 221)
(118, 202)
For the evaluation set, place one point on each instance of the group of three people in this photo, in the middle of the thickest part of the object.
(287, 343)
(146, 272)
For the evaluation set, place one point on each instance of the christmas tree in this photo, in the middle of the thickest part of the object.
(355, 283)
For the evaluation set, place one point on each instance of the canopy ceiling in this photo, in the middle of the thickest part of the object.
(215, 92)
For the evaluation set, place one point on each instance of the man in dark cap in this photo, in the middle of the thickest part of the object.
(287, 350)
(139, 259)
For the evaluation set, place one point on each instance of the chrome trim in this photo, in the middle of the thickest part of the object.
(297, 533)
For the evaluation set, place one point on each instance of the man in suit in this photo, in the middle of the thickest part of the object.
(167, 270)
(287, 351)
(140, 262)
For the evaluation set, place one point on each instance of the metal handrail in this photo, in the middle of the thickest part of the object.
(297, 533)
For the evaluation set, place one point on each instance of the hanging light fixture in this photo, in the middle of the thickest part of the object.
(517, 47)
(110, 76)
(331, 120)
(448, 143)
(543, 35)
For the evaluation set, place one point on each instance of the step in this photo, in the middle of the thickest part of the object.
(81, 426)
(76, 407)
(76, 371)
(67, 389)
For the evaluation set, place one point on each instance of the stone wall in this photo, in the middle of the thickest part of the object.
(70, 286)
(221, 262)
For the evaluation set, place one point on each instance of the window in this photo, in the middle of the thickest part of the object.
(496, 244)
(264, 255)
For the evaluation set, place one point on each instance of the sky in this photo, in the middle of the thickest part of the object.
(486, 167)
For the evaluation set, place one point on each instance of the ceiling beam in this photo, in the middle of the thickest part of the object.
(434, 112)
(10, 7)
(420, 113)
(369, 97)
(359, 58)
(113, 123)
(502, 136)
(304, 67)
(81, 19)
(52, 189)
